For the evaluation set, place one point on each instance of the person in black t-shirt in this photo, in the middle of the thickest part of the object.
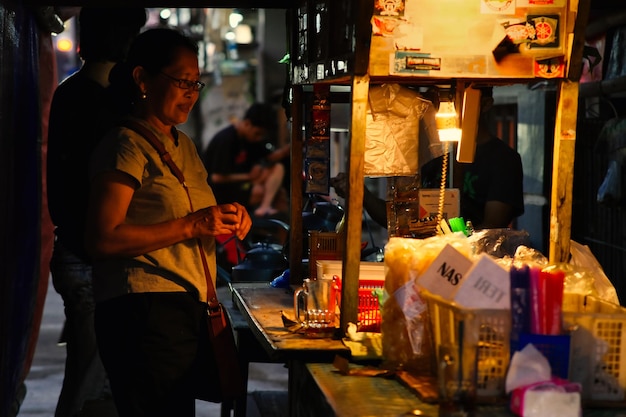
(492, 185)
(243, 166)
(76, 125)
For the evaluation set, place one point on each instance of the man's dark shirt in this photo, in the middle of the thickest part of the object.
(74, 129)
(228, 154)
(495, 175)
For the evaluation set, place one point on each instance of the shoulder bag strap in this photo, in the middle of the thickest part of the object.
(160, 148)
(213, 303)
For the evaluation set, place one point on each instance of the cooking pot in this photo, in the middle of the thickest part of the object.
(324, 217)
(329, 212)
(261, 263)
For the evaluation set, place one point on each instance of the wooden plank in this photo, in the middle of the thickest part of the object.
(352, 396)
(363, 28)
(565, 139)
(261, 306)
(354, 203)
(575, 61)
(424, 386)
(365, 395)
(563, 171)
(296, 270)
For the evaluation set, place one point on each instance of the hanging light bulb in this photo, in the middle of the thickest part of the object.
(447, 122)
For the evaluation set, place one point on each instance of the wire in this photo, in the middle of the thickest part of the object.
(444, 175)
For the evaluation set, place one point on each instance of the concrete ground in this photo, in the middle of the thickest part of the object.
(43, 383)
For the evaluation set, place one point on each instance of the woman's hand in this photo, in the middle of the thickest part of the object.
(245, 222)
(222, 219)
(108, 235)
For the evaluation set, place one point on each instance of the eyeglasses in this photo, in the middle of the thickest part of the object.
(186, 84)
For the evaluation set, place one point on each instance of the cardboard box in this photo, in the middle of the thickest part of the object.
(429, 202)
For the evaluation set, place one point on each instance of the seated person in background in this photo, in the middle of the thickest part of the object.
(243, 166)
(491, 186)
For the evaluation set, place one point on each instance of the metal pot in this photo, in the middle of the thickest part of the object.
(324, 217)
(261, 263)
(328, 212)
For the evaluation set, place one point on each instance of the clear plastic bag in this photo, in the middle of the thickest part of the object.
(586, 261)
(406, 335)
(498, 242)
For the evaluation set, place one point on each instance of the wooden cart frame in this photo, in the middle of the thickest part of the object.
(315, 60)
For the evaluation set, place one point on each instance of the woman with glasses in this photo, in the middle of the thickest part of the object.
(150, 233)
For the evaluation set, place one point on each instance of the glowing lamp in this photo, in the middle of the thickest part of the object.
(447, 122)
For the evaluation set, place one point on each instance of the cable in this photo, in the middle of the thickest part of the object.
(444, 175)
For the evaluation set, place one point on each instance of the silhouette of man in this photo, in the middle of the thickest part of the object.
(105, 35)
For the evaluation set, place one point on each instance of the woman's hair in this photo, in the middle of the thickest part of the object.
(153, 50)
(156, 49)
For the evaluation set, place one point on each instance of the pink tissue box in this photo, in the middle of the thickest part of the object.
(556, 397)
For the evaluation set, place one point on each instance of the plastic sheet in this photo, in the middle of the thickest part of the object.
(392, 139)
(498, 243)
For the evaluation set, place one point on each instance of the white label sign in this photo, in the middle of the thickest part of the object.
(486, 285)
(446, 273)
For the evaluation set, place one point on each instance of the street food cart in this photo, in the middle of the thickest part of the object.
(426, 42)
(333, 44)
(419, 43)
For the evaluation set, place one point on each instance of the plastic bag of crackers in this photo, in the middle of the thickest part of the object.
(406, 336)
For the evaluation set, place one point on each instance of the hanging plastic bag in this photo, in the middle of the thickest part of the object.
(392, 142)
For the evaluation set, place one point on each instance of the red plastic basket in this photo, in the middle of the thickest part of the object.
(369, 318)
